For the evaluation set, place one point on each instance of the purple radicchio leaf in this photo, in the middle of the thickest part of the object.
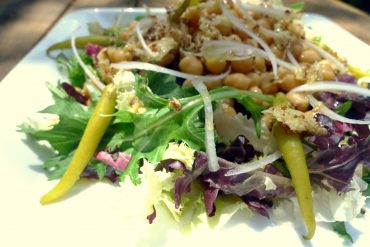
(259, 206)
(71, 91)
(346, 78)
(110, 174)
(210, 196)
(239, 151)
(151, 217)
(93, 50)
(183, 182)
(337, 165)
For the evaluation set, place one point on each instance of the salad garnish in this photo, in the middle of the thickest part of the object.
(214, 103)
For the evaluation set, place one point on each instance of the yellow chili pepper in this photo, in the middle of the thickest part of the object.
(291, 148)
(91, 137)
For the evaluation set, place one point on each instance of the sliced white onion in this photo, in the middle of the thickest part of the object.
(282, 36)
(332, 59)
(160, 69)
(278, 12)
(234, 50)
(331, 114)
(213, 165)
(254, 165)
(240, 24)
(331, 86)
(94, 80)
(245, 12)
(292, 59)
(144, 24)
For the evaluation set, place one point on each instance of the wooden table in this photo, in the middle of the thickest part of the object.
(23, 23)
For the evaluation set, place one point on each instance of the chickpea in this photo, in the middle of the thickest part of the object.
(116, 55)
(267, 77)
(309, 56)
(288, 82)
(237, 80)
(192, 65)
(297, 29)
(234, 37)
(214, 84)
(192, 16)
(229, 101)
(259, 63)
(299, 101)
(326, 72)
(252, 42)
(277, 52)
(267, 39)
(166, 59)
(187, 84)
(241, 34)
(296, 49)
(213, 8)
(255, 89)
(223, 25)
(269, 87)
(264, 23)
(229, 110)
(242, 66)
(215, 66)
(255, 79)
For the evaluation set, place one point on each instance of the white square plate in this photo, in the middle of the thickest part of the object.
(99, 214)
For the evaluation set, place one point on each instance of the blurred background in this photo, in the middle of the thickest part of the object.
(361, 4)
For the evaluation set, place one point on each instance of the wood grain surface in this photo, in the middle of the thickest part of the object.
(24, 22)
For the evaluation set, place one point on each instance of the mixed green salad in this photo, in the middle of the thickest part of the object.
(214, 101)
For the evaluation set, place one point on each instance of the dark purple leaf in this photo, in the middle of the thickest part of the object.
(183, 182)
(346, 78)
(259, 206)
(71, 91)
(93, 50)
(210, 196)
(337, 165)
(239, 151)
(152, 216)
(92, 174)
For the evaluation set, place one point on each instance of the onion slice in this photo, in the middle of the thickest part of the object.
(240, 24)
(327, 56)
(331, 114)
(213, 165)
(139, 26)
(292, 59)
(331, 86)
(253, 165)
(94, 80)
(160, 69)
(234, 50)
(278, 12)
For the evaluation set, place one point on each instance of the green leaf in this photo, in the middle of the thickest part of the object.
(366, 178)
(255, 110)
(99, 166)
(343, 108)
(65, 136)
(166, 86)
(298, 6)
(340, 228)
(75, 72)
(57, 165)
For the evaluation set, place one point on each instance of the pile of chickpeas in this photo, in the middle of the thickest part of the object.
(254, 73)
